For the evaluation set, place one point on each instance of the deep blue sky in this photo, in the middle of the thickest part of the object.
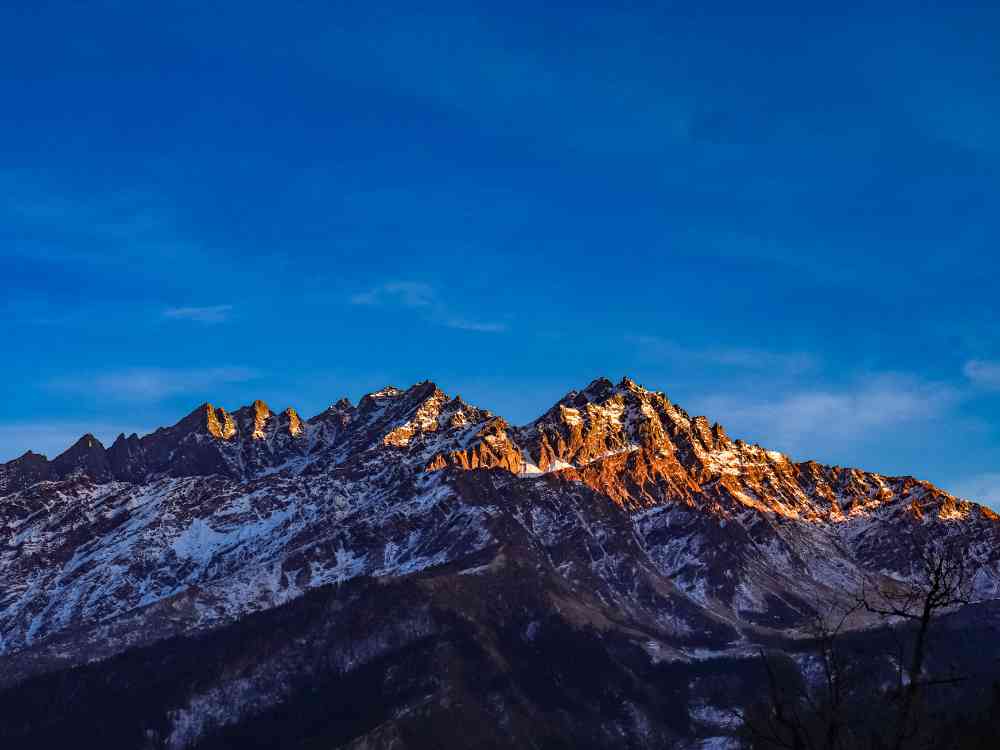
(785, 219)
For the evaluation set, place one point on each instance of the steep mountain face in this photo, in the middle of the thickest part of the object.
(651, 535)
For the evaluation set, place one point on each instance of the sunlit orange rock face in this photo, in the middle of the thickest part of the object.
(294, 422)
(492, 449)
(218, 422)
(641, 450)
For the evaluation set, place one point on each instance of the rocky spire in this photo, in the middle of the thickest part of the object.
(85, 456)
(291, 418)
(261, 413)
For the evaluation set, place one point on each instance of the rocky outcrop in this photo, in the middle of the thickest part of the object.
(492, 448)
(22, 472)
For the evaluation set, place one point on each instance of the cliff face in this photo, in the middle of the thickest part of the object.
(615, 512)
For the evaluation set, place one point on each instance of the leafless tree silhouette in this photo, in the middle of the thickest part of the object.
(803, 716)
(809, 712)
(940, 583)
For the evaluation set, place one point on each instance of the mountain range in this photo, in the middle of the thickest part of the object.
(413, 567)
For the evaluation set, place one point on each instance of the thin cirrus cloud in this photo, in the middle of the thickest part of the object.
(984, 488)
(404, 293)
(472, 325)
(983, 373)
(153, 383)
(210, 314)
(804, 420)
(424, 298)
(736, 357)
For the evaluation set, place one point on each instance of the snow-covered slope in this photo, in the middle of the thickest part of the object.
(699, 541)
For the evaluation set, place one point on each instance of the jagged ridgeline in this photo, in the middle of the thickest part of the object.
(616, 559)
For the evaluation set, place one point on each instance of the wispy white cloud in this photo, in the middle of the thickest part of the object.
(472, 325)
(405, 293)
(983, 373)
(210, 314)
(425, 299)
(984, 488)
(749, 358)
(152, 383)
(804, 420)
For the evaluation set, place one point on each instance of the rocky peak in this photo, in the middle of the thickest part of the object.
(420, 409)
(86, 455)
(379, 399)
(290, 417)
(24, 471)
(711, 436)
(29, 456)
(598, 390)
(598, 421)
(252, 420)
(88, 442)
(628, 384)
(125, 458)
(335, 418)
(457, 413)
(340, 408)
(125, 442)
(205, 419)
